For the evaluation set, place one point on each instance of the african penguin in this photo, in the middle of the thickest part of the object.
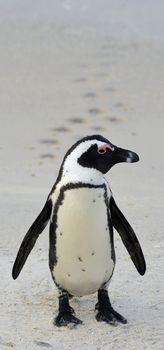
(82, 214)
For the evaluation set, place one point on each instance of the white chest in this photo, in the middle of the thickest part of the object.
(83, 247)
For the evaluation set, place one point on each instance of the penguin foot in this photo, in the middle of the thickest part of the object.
(66, 315)
(65, 319)
(109, 315)
(105, 312)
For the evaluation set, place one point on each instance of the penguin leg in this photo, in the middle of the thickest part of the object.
(66, 312)
(104, 310)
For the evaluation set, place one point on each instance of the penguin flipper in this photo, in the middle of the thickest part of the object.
(30, 238)
(128, 237)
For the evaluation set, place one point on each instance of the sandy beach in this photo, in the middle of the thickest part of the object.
(67, 72)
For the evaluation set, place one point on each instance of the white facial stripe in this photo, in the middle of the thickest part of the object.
(79, 150)
(75, 171)
(84, 146)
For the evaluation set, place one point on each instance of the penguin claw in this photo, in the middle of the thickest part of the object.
(66, 319)
(119, 318)
(109, 315)
(106, 318)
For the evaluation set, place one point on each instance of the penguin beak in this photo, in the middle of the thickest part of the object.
(124, 155)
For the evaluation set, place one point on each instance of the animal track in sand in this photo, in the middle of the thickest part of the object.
(110, 89)
(101, 74)
(118, 105)
(49, 141)
(61, 129)
(77, 120)
(113, 119)
(90, 95)
(94, 110)
(47, 155)
(81, 80)
(98, 128)
(43, 344)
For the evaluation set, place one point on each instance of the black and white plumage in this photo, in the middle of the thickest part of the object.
(82, 214)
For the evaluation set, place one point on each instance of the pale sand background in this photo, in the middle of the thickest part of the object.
(67, 69)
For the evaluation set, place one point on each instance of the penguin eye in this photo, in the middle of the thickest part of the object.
(101, 150)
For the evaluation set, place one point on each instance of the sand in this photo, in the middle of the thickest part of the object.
(61, 80)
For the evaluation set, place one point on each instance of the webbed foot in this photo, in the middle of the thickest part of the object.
(66, 318)
(66, 315)
(105, 312)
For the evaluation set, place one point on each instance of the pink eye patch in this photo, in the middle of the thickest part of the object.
(104, 148)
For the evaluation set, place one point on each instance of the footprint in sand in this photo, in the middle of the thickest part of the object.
(61, 129)
(76, 120)
(81, 80)
(95, 111)
(133, 133)
(90, 95)
(43, 344)
(110, 89)
(49, 142)
(118, 105)
(113, 119)
(101, 74)
(98, 128)
(47, 156)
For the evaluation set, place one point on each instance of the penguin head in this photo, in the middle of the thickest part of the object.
(97, 153)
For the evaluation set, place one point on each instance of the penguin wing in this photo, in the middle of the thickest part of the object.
(128, 237)
(30, 238)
